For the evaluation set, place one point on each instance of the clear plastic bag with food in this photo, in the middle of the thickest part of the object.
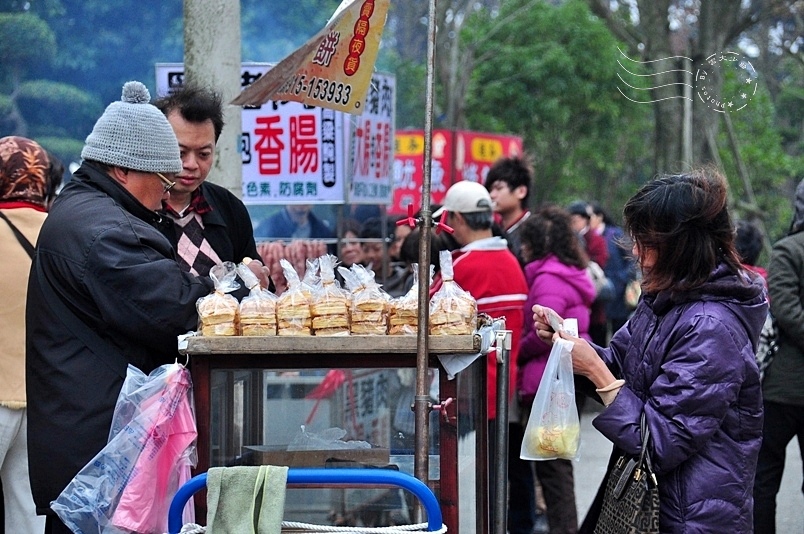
(369, 302)
(293, 314)
(218, 312)
(403, 313)
(329, 302)
(453, 311)
(258, 308)
(311, 279)
(554, 428)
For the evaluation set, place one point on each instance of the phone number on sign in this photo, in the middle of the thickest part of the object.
(318, 89)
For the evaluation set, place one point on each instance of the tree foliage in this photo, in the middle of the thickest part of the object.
(559, 92)
(25, 39)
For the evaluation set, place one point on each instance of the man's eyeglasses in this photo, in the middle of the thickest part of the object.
(167, 185)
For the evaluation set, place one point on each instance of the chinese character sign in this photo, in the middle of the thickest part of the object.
(456, 155)
(366, 407)
(408, 169)
(476, 152)
(371, 138)
(334, 68)
(291, 152)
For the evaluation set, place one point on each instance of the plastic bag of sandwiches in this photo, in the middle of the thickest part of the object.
(293, 314)
(369, 302)
(403, 314)
(218, 312)
(258, 308)
(311, 281)
(453, 311)
(329, 303)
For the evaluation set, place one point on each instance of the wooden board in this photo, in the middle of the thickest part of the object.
(467, 344)
(263, 455)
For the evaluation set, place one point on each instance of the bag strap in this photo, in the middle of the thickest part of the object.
(644, 456)
(29, 248)
(101, 348)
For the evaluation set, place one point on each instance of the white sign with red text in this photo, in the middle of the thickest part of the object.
(292, 153)
(372, 144)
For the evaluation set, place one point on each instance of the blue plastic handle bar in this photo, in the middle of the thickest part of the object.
(325, 476)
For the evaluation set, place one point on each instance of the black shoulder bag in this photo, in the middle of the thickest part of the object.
(631, 500)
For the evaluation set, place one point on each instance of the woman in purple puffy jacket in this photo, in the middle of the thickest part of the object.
(685, 358)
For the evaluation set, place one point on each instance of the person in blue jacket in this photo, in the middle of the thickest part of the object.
(685, 358)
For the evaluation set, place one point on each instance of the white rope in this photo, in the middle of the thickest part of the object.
(399, 529)
(192, 528)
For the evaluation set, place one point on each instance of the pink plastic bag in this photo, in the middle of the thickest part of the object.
(129, 484)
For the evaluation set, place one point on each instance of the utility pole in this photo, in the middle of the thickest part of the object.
(212, 59)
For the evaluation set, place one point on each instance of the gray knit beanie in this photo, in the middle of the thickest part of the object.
(133, 134)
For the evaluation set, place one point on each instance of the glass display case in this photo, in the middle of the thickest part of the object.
(344, 402)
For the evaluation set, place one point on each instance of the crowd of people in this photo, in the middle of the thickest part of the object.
(108, 275)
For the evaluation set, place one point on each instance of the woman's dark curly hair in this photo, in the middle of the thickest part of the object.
(685, 219)
(549, 231)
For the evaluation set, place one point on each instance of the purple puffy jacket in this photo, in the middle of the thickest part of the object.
(566, 289)
(688, 362)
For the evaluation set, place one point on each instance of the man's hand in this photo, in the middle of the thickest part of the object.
(262, 272)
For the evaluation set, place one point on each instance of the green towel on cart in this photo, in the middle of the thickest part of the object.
(245, 499)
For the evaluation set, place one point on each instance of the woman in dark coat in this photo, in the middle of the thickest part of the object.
(685, 358)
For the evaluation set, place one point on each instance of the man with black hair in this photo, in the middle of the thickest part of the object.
(748, 240)
(508, 182)
(206, 223)
(598, 251)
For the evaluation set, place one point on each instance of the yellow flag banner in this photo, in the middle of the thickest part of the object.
(331, 70)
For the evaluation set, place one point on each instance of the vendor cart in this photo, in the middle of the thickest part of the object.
(252, 396)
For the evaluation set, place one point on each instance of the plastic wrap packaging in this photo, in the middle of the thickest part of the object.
(311, 280)
(258, 308)
(329, 302)
(403, 314)
(369, 302)
(218, 312)
(453, 311)
(293, 314)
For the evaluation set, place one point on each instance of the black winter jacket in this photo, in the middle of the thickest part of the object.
(101, 261)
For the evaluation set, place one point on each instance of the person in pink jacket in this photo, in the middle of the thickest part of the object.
(555, 271)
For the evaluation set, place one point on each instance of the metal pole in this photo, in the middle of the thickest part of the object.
(503, 348)
(422, 405)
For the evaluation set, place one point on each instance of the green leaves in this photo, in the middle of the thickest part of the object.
(24, 39)
(549, 74)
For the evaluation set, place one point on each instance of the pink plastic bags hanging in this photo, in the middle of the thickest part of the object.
(128, 486)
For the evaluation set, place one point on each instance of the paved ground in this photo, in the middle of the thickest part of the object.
(595, 450)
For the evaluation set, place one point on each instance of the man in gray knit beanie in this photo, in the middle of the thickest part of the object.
(133, 134)
(105, 292)
(135, 146)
